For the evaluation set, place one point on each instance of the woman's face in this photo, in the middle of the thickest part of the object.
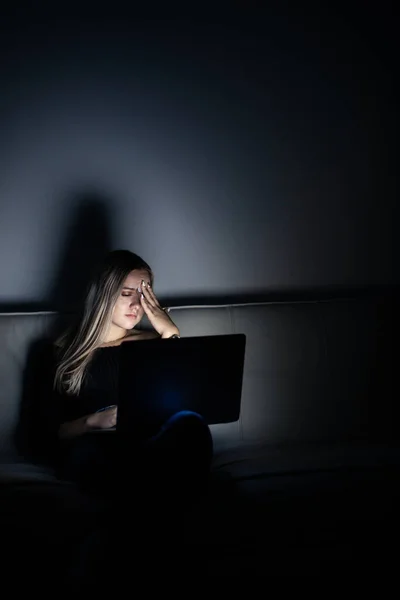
(128, 311)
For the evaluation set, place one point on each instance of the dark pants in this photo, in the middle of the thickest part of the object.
(147, 489)
(170, 467)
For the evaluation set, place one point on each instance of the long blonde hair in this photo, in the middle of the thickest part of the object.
(75, 347)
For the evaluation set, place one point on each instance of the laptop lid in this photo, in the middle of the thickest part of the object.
(158, 378)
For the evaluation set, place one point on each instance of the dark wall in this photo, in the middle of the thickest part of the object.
(238, 154)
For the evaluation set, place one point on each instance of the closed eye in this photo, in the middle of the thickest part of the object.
(131, 290)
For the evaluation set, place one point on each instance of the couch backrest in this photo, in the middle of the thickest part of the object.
(316, 371)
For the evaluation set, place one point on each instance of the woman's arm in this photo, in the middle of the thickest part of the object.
(72, 429)
(104, 419)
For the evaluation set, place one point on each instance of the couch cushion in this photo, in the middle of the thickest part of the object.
(301, 494)
(314, 371)
(17, 333)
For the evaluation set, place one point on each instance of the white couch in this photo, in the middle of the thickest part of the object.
(311, 465)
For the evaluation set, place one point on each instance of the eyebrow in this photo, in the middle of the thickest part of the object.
(130, 288)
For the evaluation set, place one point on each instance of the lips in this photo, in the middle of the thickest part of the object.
(132, 316)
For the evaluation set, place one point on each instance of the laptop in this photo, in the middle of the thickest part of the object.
(158, 378)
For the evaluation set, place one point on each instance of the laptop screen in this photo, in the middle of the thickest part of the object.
(159, 378)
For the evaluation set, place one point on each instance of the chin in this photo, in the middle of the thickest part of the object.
(131, 323)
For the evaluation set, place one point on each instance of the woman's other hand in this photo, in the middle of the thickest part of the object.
(160, 320)
(103, 419)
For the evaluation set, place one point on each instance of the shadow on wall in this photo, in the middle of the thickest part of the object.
(84, 240)
(87, 238)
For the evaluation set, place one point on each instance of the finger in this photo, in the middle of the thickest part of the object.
(148, 308)
(145, 292)
(155, 299)
(149, 295)
(145, 303)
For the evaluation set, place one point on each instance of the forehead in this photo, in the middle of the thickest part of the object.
(134, 278)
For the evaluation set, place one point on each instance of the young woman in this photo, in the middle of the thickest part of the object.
(171, 465)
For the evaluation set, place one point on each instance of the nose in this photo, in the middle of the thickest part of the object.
(135, 300)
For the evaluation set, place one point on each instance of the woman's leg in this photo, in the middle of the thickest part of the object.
(89, 461)
(156, 485)
(178, 458)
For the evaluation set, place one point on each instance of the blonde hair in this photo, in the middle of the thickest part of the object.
(75, 346)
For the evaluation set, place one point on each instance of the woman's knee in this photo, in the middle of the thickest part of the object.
(187, 418)
(193, 428)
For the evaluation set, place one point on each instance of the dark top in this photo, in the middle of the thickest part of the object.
(99, 388)
(43, 409)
